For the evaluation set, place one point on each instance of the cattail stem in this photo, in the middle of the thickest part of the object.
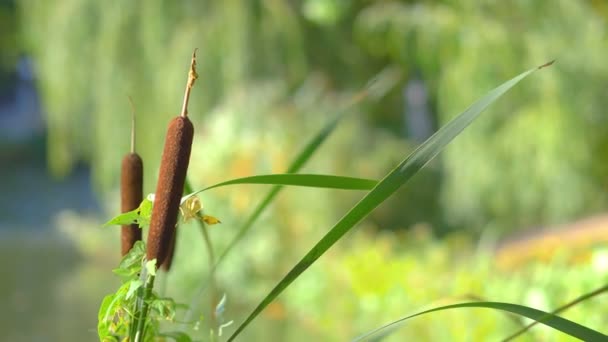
(131, 191)
(138, 328)
(170, 186)
(192, 76)
(212, 281)
(132, 125)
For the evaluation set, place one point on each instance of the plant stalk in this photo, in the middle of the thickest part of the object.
(144, 305)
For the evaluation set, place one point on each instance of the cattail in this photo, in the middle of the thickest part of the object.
(131, 190)
(166, 265)
(173, 168)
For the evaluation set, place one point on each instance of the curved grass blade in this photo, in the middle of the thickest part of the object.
(562, 308)
(558, 323)
(307, 180)
(397, 177)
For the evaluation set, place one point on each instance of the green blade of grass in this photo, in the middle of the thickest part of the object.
(561, 309)
(307, 180)
(566, 326)
(403, 172)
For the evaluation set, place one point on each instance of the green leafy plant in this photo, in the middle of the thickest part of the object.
(117, 305)
(118, 318)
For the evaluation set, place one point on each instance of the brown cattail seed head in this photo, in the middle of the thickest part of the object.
(131, 195)
(173, 168)
(166, 266)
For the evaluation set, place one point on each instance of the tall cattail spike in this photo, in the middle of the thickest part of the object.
(131, 189)
(171, 179)
(170, 186)
(166, 265)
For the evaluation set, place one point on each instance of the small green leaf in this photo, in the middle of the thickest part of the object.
(109, 309)
(140, 216)
(124, 274)
(130, 265)
(164, 307)
(103, 328)
(133, 287)
(134, 256)
(151, 267)
(130, 217)
(566, 326)
(145, 212)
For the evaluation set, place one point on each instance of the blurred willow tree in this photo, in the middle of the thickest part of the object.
(538, 159)
(9, 46)
(92, 54)
(541, 157)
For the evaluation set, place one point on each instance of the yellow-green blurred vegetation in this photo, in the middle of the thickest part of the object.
(272, 73)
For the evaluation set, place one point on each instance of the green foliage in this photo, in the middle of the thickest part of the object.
(130, 265)
(140, 216)
(118, 312)
(372, 278)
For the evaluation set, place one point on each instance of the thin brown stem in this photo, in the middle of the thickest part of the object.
(192, 76)
(132, 124)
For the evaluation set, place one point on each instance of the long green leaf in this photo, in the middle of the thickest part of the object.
(561, 309)
(308, 180)
(568, 327)
(402, 173)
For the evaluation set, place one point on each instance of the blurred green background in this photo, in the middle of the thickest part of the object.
(512, 211)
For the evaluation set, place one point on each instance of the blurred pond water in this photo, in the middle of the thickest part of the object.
(50, 289)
